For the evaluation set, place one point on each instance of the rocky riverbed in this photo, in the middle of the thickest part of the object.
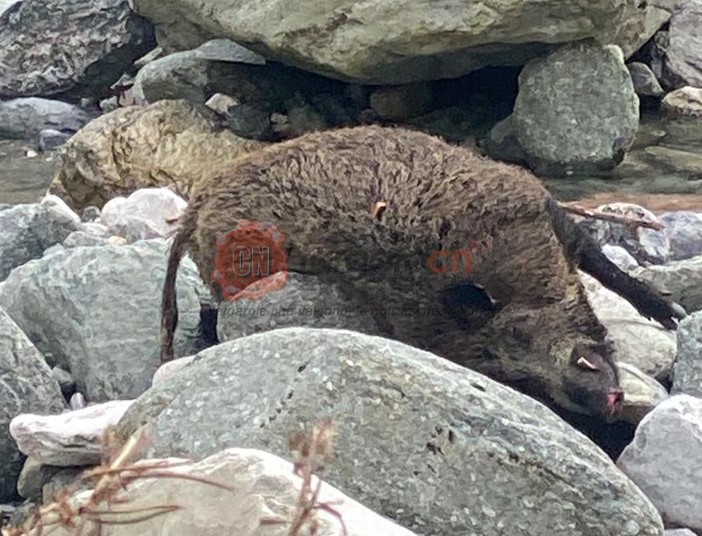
(105, 135)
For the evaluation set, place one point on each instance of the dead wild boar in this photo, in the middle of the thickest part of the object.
(372, 209)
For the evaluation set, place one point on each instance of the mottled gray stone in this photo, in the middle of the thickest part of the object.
(52, 46)
(687, 372)
(684, 231)
(193, 74)
(683, 102)
(665, 460)
(645, 82)
(303, 301)
(636, 340)
(681, 278)
(265, 486)
(27, 118)
(620, 256)
(50, 139)
(33, 477)
(381, 42)
(96, 310)
(421, 440)
(678, 59)
(576, 111)
(73, 438)
(65, 381)
(25, 385)
(26, 231)
(642, 393)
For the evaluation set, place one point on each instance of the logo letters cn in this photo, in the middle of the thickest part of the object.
(250, 261)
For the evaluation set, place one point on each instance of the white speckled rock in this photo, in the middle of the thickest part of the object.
(147, 213)
(67, 439)
(665, 460)
(26, 385)
(687, 372)
(437, 447)
(637, 340)
(95, 311)
(265, 487)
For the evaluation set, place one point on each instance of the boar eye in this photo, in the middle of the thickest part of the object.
(583, 363)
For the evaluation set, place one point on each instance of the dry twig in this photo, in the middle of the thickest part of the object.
(111, 479)
(615, 218)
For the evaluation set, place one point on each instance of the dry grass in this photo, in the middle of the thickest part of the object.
(119, 469)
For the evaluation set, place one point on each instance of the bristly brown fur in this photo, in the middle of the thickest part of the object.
(318, 189)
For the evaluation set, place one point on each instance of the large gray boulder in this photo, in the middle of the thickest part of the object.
(635, 340)
(26, 385)
(687, 372)
(683, 102)
(53, 46)
(680, 278)
(266, 487)
(677, 55)
(665, 460)
(194, 75)
(423, 441)
(576, 110)
(393, 42)
(26, 118)
(27, 230)
(95, 311)
(684, 230)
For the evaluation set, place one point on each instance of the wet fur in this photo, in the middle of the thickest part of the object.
(319, 190)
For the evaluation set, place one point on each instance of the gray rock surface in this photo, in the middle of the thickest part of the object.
(576, 110)
(680, 278)
(50, 139)
(89, 235)
(642, 393)
(33, 477)
(96, 310)
(684, 231)
(687, 372)
(679, 532)
(645, 82)
(53, 46)
(190, 74)
(146, 213)
(303, 301)
(636, 340)
(434, 446)
(65, 381)
(620, 256)
(25, 385)
(26, 118)
(382, 42)
(678, 58)
(266, 487)
(665, 460)
(70, 439)
(684, 102)
(26, 231)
